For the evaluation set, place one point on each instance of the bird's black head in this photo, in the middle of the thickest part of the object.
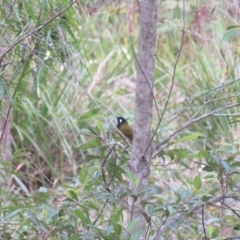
(120, 120)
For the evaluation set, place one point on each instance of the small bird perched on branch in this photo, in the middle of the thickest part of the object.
(125, 128)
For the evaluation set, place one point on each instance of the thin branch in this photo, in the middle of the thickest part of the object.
(215, 199)
(174, 70)
(114, 169)
(231, 238)
(100, 212)
(11, 46)
(203, 223)
(222, 87)
(13, 97)
(189, 123)
(234, 211)
(103, 164)
(175, 218)
(227, 115)
(173, 78)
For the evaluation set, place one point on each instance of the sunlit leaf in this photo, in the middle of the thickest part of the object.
(231, 32)
(189, 137)
(80, 214)
(133, 224)
(197, 183)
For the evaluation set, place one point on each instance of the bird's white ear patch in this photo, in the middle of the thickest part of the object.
(120, 120)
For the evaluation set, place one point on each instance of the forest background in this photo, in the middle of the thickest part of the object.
(67, 69)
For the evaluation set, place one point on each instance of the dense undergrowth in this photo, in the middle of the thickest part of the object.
(68, 176)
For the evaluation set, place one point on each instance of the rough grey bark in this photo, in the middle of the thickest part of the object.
(141, 154)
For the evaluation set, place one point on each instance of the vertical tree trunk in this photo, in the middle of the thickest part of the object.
(141, 154)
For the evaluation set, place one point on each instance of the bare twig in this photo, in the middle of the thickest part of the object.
(13, 97)
(11, 46)
(227, 115)
(103, 165)
(175, 218)
(173, 81)
(100, 212)
(234, 211)
(174, 71)
(203, 223)
(161, 145)
(20, 39)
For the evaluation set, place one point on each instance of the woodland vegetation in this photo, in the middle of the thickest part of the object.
(67, 69)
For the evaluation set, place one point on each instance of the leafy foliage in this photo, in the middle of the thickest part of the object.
(69, 175)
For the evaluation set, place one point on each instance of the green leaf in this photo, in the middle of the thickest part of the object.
(200, 154)
(185, 193)
(6, 218)
(226, 166)
(230, 159)
(170, 210)
(235, 164)
(83, 173)
(234, 120)
(89, 145)
(150, 209)
(208, 168)
(33, 218)
(93, 157)
(80, 214)
(91, 205)
(237, 227)
(133, 224)
(93, 114)
(197, 183)
(4, 90)
(73, 237)
(117, 228)
(73, 195)
(206, 197)
(189, 137)
(216, 158)
(232, 32)
(178, 153)
(231, 27)
(24, 50)
(150, 190)
(17, 13)
(133, 179)
(136, 235)
(109, 229)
